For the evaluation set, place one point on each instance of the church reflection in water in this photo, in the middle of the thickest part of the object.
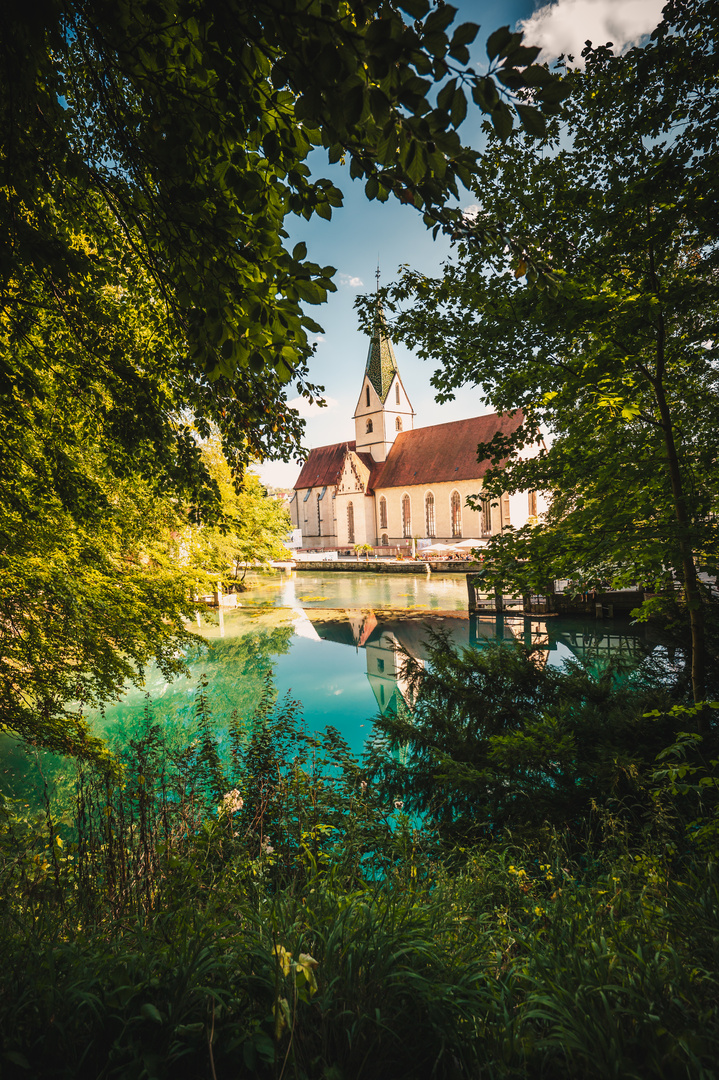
(386, 636)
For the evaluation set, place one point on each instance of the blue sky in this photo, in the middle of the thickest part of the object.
(362, 232)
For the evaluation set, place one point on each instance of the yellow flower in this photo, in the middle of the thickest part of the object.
(284, 957)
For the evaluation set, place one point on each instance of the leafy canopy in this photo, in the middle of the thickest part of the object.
(613, 351)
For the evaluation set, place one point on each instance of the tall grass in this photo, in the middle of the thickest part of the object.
(257, 909)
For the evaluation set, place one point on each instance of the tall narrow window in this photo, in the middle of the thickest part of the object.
(319, 515)
(369, 426)
(367, 395)
(532, 503)
(350, 523)
(383, 513)
(486, 516)
(505, 510)
(406, 517)
(429, 513)
(385, 540)
(396, 392)
(456, 508)
(398, 423)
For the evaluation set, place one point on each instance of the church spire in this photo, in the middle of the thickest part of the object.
(381, 366)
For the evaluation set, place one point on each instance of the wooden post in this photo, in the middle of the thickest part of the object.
(471, 594)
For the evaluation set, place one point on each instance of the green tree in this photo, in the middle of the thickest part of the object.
(254, 526)
(90, 588)
(150, 154)
(184, 129)
(499, 742)
(614, 355)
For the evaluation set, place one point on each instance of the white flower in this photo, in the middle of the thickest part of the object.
(231, 803)
(398, 804)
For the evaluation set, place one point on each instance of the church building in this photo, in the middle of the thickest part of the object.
(395, 482)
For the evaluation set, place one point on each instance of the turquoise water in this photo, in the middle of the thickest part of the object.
(329, 640)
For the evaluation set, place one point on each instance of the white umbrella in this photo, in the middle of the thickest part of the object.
(465, 544)
(435, 547)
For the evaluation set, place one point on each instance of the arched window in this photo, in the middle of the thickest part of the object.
(396, 391)
(429, 513)
(398, 423)
(369, 426)
(406, 517)
(350, 523)
(385, 540)
(383, 513)
(367, 393)
(319, 515)
(456, 515)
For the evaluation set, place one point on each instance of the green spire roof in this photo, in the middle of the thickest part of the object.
(381, 363)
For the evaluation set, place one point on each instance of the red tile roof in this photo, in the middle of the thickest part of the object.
(323, 466)
(443, 452)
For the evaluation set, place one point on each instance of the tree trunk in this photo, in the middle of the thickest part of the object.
(692, 591)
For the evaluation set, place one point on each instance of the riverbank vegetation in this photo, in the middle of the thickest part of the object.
(266, 905)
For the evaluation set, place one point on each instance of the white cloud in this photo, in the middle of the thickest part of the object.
(471, 212)
(305, 409)
(564, 27)
(349, 280)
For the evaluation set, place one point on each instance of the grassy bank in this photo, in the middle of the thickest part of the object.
(276, 912)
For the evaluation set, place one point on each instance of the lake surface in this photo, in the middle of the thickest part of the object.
(330, 640)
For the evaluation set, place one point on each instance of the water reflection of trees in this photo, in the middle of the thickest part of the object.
(238, 671)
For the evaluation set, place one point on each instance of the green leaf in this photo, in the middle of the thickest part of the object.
(555, 92)
(299, 252)
(532, 120)
(497, 41)
(446, 95)
(537, 75)
(459, 107)
(151, 1012)
(465, 34)
(16, 1058)
(460, 53)
(502, 120)
(416, 8)
(522, 55)
(371, 187)
(439, 19)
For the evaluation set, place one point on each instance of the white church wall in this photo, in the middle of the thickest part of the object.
(442, 510)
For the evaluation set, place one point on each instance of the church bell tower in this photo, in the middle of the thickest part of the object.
(383, 410)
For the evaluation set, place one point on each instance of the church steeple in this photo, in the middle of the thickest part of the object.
(381, 366)
(383, 409)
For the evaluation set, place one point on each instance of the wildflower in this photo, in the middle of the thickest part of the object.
(305, 966)
(398, 804)
(284, 958)
(231, 803)
(363, 786)
(266, 847)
